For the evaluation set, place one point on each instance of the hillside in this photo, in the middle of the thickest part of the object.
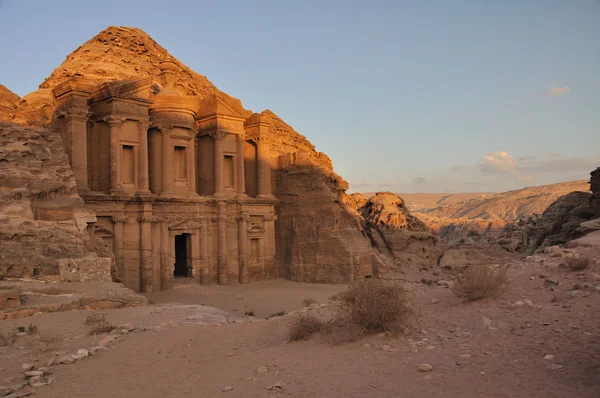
(508, 206)
(427, 201)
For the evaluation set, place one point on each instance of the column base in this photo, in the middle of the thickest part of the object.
(117, 191)
(167, 194)
(143, 193)
(268, 197)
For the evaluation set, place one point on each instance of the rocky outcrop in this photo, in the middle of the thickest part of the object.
(318, 238)
(9, 102)
(595, 188)
(394, 230)
(355, 201)
(558, 223)
(44, 230)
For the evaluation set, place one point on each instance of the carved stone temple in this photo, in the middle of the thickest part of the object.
(180, 187)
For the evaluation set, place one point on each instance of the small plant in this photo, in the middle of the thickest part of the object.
(308, 301)
(249, 312)
(7, 340)
(276, 314)
(578, 263)
(374, 305)
(303, 327)
(48, 342)
(98, 323)
(480, 281)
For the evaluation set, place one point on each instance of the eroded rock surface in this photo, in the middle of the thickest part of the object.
(43, 225)
(394, 229)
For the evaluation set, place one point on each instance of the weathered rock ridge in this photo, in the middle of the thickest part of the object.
(319, 237)
(394, 230)
(44, 229)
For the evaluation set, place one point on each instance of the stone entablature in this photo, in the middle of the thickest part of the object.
(177, 187)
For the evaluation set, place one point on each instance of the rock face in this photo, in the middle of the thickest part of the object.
(43, 225)
(9, 102)
(355, 200)
(319, 239)
(395, 230)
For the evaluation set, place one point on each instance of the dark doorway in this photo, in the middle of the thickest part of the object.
(181, 256)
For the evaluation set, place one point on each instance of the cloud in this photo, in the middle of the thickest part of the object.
(419, 181)
(557, 90)
(502, 163)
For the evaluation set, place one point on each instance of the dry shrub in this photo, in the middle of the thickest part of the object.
(578, 263)
(341, 330)
(374, 305)
(480, 281)
(8, 339)
(48, 342)
(98, 323)
(308, 301)
(304, 326)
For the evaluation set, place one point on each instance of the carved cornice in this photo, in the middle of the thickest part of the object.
(119, 218)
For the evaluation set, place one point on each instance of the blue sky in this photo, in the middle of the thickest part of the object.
(407, 96)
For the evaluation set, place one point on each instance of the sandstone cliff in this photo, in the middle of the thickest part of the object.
(9, 102)
(43, 225)
(304, 181)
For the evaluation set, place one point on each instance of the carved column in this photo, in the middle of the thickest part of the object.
(204, 251)
(146, 274)
(219, 136)
(222, 243)
(143, 180)
(191, 165)
(118, 244)
(167, 162)
(240, 181)
(76, 126)
(242, 245)
(196, 260)
(264, 167)
(167, 262)
(115, 152)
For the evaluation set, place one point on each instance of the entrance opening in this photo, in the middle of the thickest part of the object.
(181, 256)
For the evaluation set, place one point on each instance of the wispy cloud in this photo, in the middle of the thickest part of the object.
(419, 181)
(502, 163)
(363, 184)
(557, 90)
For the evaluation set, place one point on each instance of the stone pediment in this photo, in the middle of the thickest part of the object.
(255, 228)
(134, 88)
(214, 105)
(77, 86)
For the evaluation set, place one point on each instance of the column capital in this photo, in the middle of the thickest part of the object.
(144, 124)
(243, 217)
(76, 114)
(270, 217)
(164, 128)
(219, 134)
(218, 218)
(114, 121)
(262, 138)
(119, 218)
(152, 219)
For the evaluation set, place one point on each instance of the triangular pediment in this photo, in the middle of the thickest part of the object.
(215, 105)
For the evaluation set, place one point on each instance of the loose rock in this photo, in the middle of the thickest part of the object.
(425, 367)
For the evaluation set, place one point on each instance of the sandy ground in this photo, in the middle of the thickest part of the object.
(490, 348)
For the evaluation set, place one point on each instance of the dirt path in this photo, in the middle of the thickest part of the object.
(525, 343)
